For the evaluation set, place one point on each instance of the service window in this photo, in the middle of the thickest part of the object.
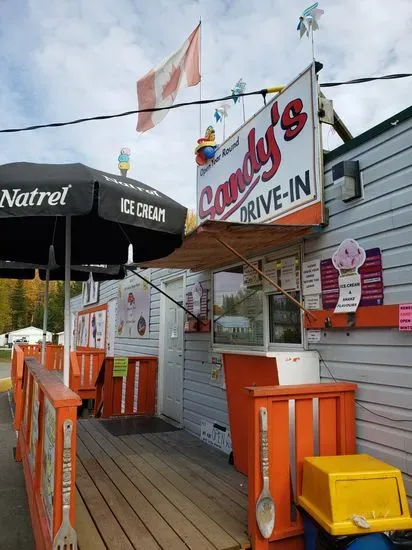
(238, 307)
(285, 319)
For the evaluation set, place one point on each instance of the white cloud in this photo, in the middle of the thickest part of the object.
(63, 60)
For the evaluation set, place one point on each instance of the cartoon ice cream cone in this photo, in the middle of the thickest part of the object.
(348, 258)
(124, 164)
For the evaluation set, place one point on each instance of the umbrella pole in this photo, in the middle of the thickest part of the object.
(45, 314)
(67, 327)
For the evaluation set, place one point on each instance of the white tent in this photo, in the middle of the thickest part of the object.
(30, 335)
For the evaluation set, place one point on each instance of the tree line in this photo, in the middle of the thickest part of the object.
(22, 304)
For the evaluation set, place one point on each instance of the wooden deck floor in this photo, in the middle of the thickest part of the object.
(156, 491)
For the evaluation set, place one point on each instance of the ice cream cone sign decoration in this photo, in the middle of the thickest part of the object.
(124, 164)
(348, 258)
(205, 150)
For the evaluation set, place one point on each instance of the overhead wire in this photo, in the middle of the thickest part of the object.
(263, 92)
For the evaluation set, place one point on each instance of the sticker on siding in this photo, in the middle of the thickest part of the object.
(311, 281)
(313, 336)
(405, 317)
(217, 373)
(216, 435)
(313, 301)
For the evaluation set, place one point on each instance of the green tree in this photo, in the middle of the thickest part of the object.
(38, 314)
(18, 306)
(56, 307)
(76, 288)
(5, 319)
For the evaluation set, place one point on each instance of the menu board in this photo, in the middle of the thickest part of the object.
(371, 281)
(133, 313)
(97, 337)
(34, 431)
(284, 272)
(48, 460)
(83, 325)
(250, 276)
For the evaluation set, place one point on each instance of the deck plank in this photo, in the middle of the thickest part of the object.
(162, 532)
(188, 532)
(214, 507)
(236, 499)
(132, 526)
(88, 536)
(209, 458)
(109, 528)
(210, 528)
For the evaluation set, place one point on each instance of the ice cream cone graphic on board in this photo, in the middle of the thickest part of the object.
(348, 258)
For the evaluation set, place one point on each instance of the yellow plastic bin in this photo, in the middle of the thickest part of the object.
(354, 495)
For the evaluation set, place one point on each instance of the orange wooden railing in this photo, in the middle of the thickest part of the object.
(30, 350)
(53, 357)
(85, 367)
(17, 365)
(49, 408)
(134, 394)
(334, 429)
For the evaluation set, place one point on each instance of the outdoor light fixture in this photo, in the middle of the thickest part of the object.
(347, 175)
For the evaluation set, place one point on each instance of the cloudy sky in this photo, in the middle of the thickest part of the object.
(69, 59)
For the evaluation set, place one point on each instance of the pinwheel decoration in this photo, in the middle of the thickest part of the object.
(309, 19)
(221, 112)
(238, 89)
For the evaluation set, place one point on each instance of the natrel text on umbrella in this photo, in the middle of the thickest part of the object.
(142, 210)
(16, 198)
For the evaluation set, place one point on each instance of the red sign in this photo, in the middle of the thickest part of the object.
(371, 281)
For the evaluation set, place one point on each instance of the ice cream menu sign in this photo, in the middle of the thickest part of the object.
(352, 278)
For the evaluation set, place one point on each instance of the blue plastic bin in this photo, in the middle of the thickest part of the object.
(374, 541)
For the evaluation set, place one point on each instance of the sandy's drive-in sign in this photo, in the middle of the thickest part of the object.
(270, 169)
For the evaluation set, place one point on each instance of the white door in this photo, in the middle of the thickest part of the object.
(173, 352)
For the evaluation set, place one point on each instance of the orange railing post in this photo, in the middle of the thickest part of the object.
(74, 377)
(17, 384)
(292, 409)
(134, 394)
(47, 406)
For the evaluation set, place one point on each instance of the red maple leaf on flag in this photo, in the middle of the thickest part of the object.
(171, 86)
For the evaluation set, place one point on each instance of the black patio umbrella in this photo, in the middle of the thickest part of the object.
(89, 216)
(108, 212)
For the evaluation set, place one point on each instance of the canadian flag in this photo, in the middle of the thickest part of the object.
(160, 86)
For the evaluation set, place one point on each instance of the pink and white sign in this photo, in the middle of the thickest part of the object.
(405, 317)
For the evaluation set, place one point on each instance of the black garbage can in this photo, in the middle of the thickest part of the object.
(401, 539)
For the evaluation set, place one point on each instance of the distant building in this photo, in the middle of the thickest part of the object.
(28, 335)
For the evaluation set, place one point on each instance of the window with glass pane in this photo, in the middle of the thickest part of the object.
(237, 308)
(284, 319)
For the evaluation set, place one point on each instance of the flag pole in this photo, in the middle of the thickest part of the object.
(243, 108)
(200, 71)
(313, 43)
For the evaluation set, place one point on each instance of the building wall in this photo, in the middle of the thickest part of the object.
(379, 361)
(201, 400)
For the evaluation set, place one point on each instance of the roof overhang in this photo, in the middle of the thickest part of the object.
(202, 249)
